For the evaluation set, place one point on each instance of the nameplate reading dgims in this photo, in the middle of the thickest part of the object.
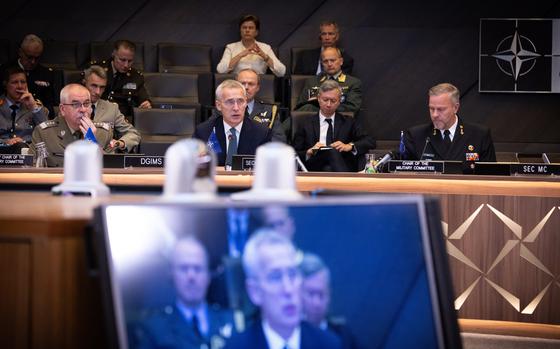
(144, 161)
(416, 166)
(15, 160)
(535, 169)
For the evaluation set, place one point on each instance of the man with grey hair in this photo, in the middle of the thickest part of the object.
(330, 141)
(126, 137)
(243, 135)
(40, 79)
(316, 297)
(448, 137)
(273, 282)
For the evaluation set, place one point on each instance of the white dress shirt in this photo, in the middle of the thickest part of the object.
(252, 61)
(276, 342)
(228, 133)
(323, 127)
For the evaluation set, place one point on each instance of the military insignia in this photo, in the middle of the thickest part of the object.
(257, 119)
(130, 86)
(470, 147)
(128, 73)
(461, 130)
(104, 125)
(342, 78)
(42, 83)
(62, 133)
(50, 69)
(323, 78)
(435, 132)
(471, 157)
(47, 124)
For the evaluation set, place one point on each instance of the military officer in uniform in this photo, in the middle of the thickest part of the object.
(126, 136)
(19, 112)
(72, 123)
(259, 111)
(125, 85)
(40, 79)
(332, 61)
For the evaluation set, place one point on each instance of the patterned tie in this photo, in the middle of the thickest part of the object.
(447, 139)
(232, 146)
(14, 108)
(330, 137)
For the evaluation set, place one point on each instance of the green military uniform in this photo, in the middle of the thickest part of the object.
(57, 135)
(266, 113)
(125, 89)
(350, 101)
(108, 112)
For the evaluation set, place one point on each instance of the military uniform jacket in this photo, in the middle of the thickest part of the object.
(40, 82)
(307, 62)
(351, 99)
(26, 121)
(107, 112)
(470, 141)
(125, 89)
(167, 328)
(57, 136)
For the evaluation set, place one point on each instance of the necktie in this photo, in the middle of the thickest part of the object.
(92, 111)
(14, 108)
(330, 136)
(196, 326)
(446, 138)
(232, 146)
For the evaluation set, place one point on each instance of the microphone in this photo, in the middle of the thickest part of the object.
(428, 140)
(383, 161)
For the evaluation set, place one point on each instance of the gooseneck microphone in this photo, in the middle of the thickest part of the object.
(428, 140)
(383, 161)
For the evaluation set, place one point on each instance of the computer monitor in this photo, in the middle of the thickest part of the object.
(389, 275)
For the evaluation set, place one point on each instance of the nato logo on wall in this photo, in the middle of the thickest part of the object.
(519, 55)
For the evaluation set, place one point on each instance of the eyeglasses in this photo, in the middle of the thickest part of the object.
(275, 277)
(78, 105)
(29, 57)
(232, 101)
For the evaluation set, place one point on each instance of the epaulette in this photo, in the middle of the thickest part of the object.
(323, 78)
(47, 124)
(104, 125)
(342, 78)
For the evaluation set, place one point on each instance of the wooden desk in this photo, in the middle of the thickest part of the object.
(502, 234)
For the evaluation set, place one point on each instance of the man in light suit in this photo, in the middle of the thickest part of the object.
(190, 322)
(20, 112)
(126, 136)
(274, 285)
(243, 135)
(329, 141)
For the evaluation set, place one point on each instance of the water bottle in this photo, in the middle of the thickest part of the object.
(41, 154)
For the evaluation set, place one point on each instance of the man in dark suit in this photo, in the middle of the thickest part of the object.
(330, 141)
(243, 135)
(273, 282)
(190, 322)
(316, 297)
(351, 99)
(308, 62)
(448, 137)
(40, 79)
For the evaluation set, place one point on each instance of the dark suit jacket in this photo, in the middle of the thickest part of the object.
(346, 129)
(311, 338)
(168, 329)
(345, 334)
(252, 135)
(469, 138)
(307, 62)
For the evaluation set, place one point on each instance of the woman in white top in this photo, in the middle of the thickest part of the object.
(249, 53)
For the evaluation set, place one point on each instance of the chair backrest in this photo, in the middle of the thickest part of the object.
(60, 54)
(101, 50)
(71, 76)
(297, 82)
(268, 92)
(295, 53)
(4, 51)
(165, 122)
(296, 118)
(184, 58)
(167, 85)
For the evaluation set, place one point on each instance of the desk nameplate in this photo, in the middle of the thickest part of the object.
(15, 160)
(416, 166)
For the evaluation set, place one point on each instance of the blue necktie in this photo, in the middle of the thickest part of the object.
(14, 108)
(232, 146)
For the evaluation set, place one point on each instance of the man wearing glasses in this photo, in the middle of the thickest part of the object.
(234, 131)
(40, 79)
(71, 124)
(273, 282)
(125, 84)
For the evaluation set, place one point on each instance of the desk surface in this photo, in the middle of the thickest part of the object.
(381, 183)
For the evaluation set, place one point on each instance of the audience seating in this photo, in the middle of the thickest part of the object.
(60, 54)
(70, 76)
(100, 51)
(169, 91)
(269, 86)
(295, 52)
(4, 51)
(296, 83)
(184, 58)
(162, 127)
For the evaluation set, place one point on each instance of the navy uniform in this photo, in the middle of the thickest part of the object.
(40, 83)
(57, 136)
(125, 89)
(23, 124)
(350, 101)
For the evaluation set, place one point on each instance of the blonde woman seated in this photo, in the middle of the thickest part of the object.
(250, 53)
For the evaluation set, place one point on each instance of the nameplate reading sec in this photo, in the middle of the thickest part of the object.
(243, 162)
(535, 169)
(144, 161)
(416, 166)
(15, 160)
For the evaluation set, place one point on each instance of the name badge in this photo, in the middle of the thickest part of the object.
(416, 166)
(535, 169)
(243, 162)
(15, 160)
(143, 161)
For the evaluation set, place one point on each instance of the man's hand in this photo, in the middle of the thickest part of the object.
(341, 147)
(145, 105)
(27, 99)
(13, 141)
(118, 144)
(86, 123)
(311, 151)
